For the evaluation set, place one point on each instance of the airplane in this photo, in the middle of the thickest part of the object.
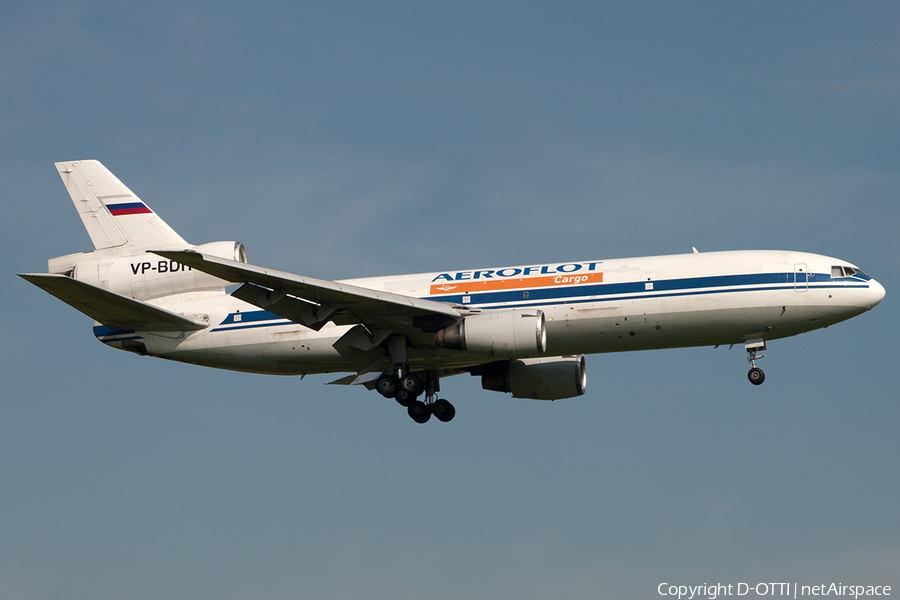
(523, 329)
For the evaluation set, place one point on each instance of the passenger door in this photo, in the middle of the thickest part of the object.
(801, 277)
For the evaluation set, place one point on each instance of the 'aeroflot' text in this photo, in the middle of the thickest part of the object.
(516, 272)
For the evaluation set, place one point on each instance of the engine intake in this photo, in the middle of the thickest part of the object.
(549, 378)
(502, 333)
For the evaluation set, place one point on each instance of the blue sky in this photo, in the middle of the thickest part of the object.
(351, 139)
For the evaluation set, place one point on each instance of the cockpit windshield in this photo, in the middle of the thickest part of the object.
(839, 271)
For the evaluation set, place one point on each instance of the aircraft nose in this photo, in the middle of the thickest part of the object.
(876, 292)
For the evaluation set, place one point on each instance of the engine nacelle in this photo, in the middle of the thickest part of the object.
(549, 378)
(229, 250)
(145, 275)
(503, 333)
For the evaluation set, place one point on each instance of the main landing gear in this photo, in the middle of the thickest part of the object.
(406, 389)
(755, 375)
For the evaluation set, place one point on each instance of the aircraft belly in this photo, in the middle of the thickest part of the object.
(288, 350)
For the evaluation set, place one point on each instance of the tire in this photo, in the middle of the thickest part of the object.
(443, 410)
(413, 384)
(386, 386)
(403, 397)
(419, 411)
(756, 376)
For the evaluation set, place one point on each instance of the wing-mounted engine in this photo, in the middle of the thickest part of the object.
(549, 378)
(145, 275)
(502, 333)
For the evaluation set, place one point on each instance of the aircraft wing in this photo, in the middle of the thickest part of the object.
(109, 308)
(313, 302)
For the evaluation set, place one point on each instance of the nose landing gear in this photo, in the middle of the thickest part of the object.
(755, 375)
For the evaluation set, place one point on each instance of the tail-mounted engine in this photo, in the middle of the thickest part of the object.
(503, 333)
(549, 378)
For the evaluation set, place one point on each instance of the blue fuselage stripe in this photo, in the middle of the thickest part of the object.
(604, 292)
(269, 323)
(658, 289)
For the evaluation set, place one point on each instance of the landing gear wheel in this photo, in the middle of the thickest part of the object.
(403, 397)
(419, 411)
(386, 385)
(756, 376)
(412, 384)
(443, 410)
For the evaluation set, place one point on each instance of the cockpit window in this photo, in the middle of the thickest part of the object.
(843, 271)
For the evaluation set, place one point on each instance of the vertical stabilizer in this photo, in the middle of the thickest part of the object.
(112, 214)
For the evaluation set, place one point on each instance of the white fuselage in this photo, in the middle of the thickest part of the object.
(590, 307)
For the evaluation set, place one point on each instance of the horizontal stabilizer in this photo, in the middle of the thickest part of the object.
(109, 308)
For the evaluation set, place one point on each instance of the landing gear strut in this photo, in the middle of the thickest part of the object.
(755, 375)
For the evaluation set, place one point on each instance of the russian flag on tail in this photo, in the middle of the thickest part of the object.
(128, 208)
